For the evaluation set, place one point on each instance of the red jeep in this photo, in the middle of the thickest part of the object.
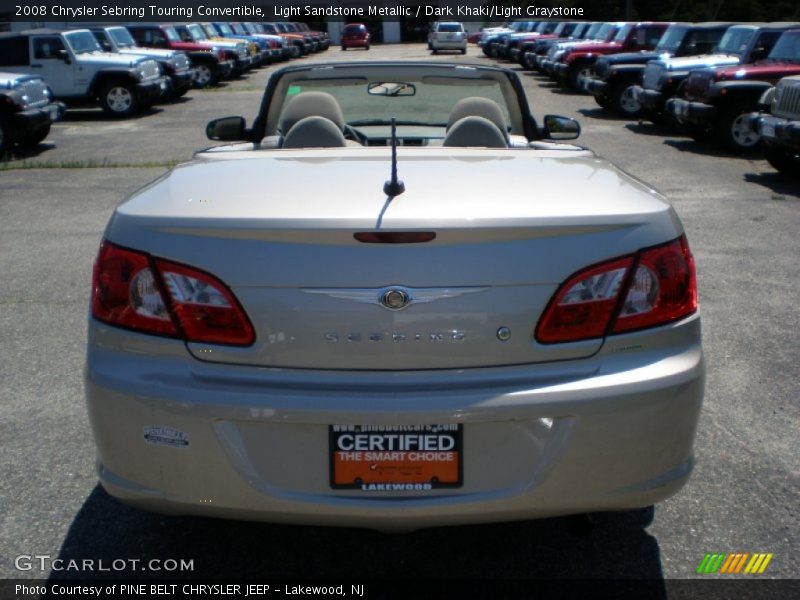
(576, 64)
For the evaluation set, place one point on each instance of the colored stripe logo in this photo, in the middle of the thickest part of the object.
(734, 563)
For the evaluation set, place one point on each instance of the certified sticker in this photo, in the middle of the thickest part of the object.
(166, 436)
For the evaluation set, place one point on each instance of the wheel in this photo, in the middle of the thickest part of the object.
(205, 76)
(32, 139)
(429, 46)
(366, 47)
(464, 51)
(603, 101)
(118, 98)
(344, 48)
(576, 73)
(733, 132)
(623, 101)
(6, 135)
(786, 160)
(697, 133)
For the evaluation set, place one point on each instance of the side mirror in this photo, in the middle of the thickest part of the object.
(560, 128)
(63, 55)
(227, 129)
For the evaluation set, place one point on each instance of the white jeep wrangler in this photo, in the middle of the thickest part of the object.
(78, 71)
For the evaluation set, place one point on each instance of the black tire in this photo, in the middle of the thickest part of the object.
(344, 48)
(574, 75)
(697, 133)
(118, 98)
(434, 51)
(366, 47)
(464, 51)
(623, 103)
(6, 135)
(33, 139)
(732, 131)
(603, 102)
(785, 160)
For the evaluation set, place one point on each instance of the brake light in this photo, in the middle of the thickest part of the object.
(133, 290)
(653, 287)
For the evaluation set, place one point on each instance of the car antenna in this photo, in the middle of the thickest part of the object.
(394, 187)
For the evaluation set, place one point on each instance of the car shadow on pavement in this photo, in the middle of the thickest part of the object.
(782, 185)
(28, 152)
(601, 114)
(618, 547)
(99, 115)
(652, 129)
(708, 149)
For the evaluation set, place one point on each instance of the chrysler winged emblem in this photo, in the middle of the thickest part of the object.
(394, 297)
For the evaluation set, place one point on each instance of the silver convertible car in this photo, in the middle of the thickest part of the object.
(396, 302)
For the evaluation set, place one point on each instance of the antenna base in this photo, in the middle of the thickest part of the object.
(394, 188)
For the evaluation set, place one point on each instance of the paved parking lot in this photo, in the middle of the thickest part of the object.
(742, 221)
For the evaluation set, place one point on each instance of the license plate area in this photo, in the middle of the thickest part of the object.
(396, 457)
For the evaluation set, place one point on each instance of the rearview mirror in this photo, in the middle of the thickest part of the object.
(560, 128)
(391, 88)
(227, 129)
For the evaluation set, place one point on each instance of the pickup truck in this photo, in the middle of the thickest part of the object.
(26, 108)
(778, 124)
(211, 62)
(576, 64)
(175, 64)
(716, 103)
(663, 78)
(78, 72)
(613, 77)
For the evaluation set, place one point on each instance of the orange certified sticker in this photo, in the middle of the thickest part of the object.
(384, 458)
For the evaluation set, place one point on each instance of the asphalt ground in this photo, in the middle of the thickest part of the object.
(742, 220)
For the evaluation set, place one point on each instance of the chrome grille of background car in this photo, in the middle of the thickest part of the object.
(34, 89)
(241, 51)
(697, 86)
(787, 102)
(150, 69)
(181, 62)
(650, 76)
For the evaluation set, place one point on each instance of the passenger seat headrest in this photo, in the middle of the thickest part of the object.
(310, 104)
(475, 132)
(314, 132)
(476, 106)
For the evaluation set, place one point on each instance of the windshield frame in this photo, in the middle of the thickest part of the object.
(128, 42)
(729, 34)
(787, 37)
(661, 49)
(196, 32)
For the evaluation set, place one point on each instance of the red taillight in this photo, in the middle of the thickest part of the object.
(658, 285)
(129, 290)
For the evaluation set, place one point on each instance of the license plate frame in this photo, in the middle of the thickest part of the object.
(433, 457)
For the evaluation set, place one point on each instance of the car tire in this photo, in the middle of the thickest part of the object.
(574, 76)
(732, 131)
(33, 139)
(464, 51)
(784, 160)
(623, 103)
(118, 98)
(603, 102)
(205, 76)
(344, 48)
(366, 47)
(434, 51)
(6, 135)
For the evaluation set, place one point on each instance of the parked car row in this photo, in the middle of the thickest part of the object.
(125, 69)
(715, 82)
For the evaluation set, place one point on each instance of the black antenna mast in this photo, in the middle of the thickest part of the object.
(394, 187)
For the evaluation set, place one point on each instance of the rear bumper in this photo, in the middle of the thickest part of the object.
(36, 119)
(360, 43)
(613, 432)
(695, 113)
(776, 130)
(449, 45)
